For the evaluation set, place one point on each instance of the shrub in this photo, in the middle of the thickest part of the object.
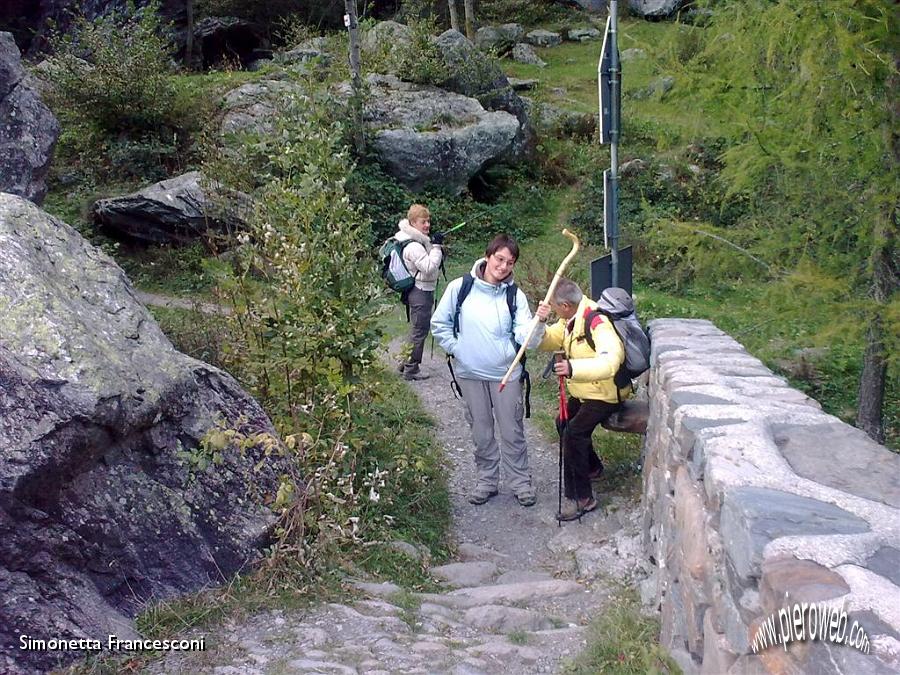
(304, 339)
(122, 113)
(421, 60)
(528, 12)
(113, 71)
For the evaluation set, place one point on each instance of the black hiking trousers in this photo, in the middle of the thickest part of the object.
(421, 304)
(578, 449)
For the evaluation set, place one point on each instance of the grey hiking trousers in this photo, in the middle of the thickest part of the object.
(421, 304)
(485, 405)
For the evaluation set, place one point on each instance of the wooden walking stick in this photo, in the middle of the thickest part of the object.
(547, 298)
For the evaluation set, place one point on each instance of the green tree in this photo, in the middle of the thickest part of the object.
(807, 89)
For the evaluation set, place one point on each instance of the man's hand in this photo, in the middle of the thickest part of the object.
(543, 311)
(438, 238)
(563, 368)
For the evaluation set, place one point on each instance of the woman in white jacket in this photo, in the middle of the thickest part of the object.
(422, 258)
(482, 343)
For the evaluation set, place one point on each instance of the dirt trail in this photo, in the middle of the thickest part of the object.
(518, 595)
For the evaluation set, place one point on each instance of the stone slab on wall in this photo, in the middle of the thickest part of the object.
(754, 499)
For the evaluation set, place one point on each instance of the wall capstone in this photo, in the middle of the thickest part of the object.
(754, 499)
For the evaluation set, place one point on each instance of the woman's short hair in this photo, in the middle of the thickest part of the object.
(502, 241)
(567, 291)
(418, 212)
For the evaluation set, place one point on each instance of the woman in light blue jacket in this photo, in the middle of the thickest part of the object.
(482, 332)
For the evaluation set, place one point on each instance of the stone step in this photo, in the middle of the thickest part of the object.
(502, 619)
(468, 551)
(462, 574)
(520, 592)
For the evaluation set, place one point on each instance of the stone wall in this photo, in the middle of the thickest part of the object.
(754, 499)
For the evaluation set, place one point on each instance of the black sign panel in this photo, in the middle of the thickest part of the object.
(601, 272)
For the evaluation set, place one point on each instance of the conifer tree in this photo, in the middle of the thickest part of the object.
(808, 89)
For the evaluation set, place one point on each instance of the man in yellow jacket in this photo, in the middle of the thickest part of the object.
(593, 395)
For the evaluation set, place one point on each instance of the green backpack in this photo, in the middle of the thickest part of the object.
(393, 269)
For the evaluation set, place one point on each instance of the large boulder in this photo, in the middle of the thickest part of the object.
(253, 108)
(524, 53)
(543, 38)
(308, 50)
(105, 502)
(654, 9)
(386, 35)
(498, 39)
(426, 136)
(174, 211)
(473, 73)
(28, 130)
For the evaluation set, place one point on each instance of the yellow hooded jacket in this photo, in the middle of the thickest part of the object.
(592, 372)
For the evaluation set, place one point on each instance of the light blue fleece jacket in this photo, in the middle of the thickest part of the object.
(483, 348)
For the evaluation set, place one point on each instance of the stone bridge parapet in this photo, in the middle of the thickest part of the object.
(754, 500)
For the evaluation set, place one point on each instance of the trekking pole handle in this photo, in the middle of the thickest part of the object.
(550, 291)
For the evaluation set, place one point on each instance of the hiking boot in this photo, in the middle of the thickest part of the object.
(412, 368)
(526, 496)
(575, 508)
(407, 375)
(480, 495)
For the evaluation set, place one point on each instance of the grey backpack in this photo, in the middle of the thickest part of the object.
(616, 304)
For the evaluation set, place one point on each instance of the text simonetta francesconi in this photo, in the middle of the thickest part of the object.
(112, 643)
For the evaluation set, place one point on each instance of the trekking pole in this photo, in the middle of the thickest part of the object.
(547, 298)
(434, 304)
(483, 213)
(561, 428)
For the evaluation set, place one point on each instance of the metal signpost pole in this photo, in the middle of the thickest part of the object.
(615, 108)
(609, 82)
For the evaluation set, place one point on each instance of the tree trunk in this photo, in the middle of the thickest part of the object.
(869, 413)
(885, 282)
(470, 19)
(356, 98)
(454, 16)
(189, 37)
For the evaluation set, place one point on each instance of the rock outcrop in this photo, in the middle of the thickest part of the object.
(426, 136)
(222, 39)
(543, 38)
(499, 39)
(28, 130)
(173, 211)
(524, 53)
(253, 107)
(654, 9)
(472, 73)
(386, 35)
(104, 502)
(756, 501)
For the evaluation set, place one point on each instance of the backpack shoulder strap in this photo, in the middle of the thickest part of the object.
(590, 317)
(511, 295)
(467, 282)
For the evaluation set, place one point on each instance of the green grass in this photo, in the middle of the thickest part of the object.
(622, 642)
(518, 637)
(388, 564)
